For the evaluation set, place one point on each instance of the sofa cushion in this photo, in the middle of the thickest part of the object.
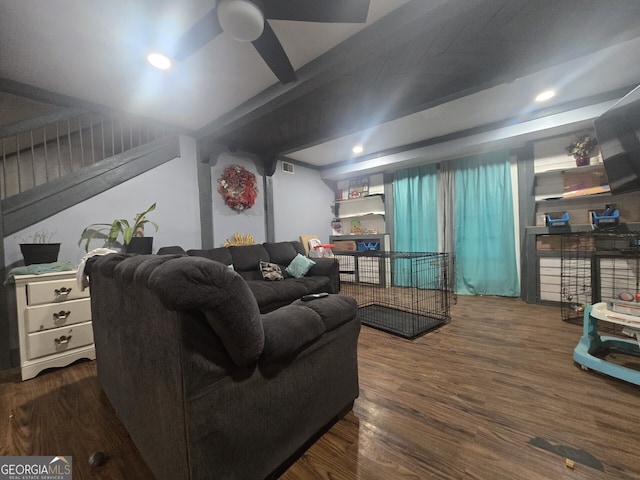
(299, 247)
(334, 309)
(288, 330)
(247, 257)
(281, 252)
(312, 284)
(267, 293)
(220, 254)
(271, 271)
(299, 266)
(171, 250)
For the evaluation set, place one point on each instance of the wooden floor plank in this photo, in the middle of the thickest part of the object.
(493, 394)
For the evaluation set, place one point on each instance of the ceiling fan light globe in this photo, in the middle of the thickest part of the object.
(242, 19)
(160, 61)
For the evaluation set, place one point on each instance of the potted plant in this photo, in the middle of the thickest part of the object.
(39, 248)
(133, 238)
(581, 149)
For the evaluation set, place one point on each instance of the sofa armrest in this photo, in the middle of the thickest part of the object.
(327, 267)
(196, 283)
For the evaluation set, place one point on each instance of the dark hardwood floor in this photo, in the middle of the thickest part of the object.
(494, 394)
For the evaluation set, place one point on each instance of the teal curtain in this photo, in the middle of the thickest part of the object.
(415, 197)
(485, 253)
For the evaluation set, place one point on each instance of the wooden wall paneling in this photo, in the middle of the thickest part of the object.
(205, 201)
(526, 214)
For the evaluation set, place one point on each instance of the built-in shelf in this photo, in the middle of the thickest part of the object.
(563, 200)
(561, 171)
(359, 215)
(360, 207)
(365, 199)
(567, 184)
(362, 214)
(575, 228)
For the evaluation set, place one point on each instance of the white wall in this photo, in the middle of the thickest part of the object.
(173, 186)
(227, 221)
(550, 154)
(302, 204)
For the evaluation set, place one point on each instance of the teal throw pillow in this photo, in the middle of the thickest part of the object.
(299, 266)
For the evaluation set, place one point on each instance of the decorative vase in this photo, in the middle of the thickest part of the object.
(582, 161)
(39, 252)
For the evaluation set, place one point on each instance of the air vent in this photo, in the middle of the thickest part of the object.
(287, 167)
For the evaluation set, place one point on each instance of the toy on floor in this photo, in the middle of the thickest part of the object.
(592, 343)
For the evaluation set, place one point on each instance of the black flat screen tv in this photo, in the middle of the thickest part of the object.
(618, 134)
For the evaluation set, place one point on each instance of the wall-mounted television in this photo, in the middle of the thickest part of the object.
(618, 134)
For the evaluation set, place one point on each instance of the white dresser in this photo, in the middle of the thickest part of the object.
(54, 321)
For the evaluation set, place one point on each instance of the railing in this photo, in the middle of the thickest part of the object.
(47, 149)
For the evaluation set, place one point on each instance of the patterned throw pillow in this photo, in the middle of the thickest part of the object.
(271, 271)
(299, 266)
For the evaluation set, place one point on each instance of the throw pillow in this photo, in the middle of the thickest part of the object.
(271, 271)
(299, 266)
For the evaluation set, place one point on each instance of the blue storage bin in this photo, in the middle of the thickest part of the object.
(557, 220)
(362, 246)
(610, 219)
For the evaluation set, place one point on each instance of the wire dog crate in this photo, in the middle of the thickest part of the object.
(599, 266)
(577, 253)
(406, 294)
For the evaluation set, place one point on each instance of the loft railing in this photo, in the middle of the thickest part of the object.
(33, 153)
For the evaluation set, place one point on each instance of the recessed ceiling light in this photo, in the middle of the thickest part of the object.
(357, 149)
(546, 95)
(160, 61)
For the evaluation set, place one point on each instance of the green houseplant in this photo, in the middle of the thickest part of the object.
(132, 234)
(582, 148)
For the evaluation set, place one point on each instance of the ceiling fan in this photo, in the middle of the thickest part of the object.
(245, 20)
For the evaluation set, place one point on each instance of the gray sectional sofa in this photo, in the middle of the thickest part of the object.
(206, 385)
(324, 276)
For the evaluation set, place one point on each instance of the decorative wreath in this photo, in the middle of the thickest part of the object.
(238, 188)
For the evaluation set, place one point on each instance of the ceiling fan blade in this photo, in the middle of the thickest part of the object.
(270, 49)
(202, 32)
(329, 11)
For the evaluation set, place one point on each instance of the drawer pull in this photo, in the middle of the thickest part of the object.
(62, 340)
(62, 291)
(61, 315)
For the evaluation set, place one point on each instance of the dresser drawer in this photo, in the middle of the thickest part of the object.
(59, 340)
(54, 291)
(45, 317)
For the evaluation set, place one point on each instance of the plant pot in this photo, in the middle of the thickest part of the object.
(582, 161)
(142, 245)
(39, 252)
